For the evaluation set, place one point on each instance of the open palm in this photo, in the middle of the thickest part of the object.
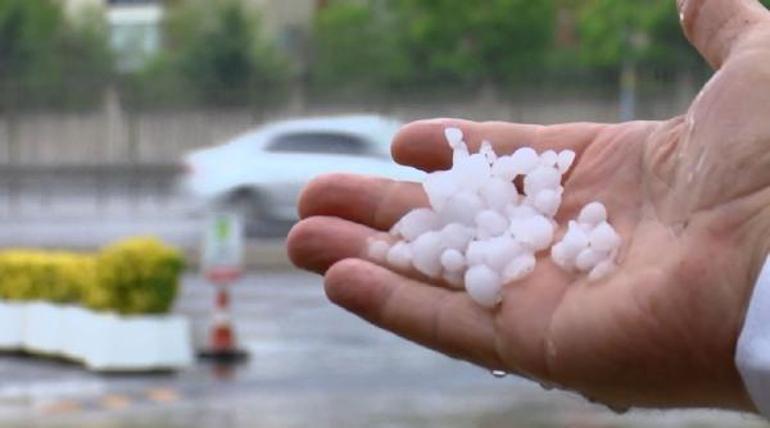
(690, 196)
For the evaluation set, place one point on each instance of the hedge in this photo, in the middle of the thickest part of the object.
(135, 276)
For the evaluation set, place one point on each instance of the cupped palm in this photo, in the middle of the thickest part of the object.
(690, 196)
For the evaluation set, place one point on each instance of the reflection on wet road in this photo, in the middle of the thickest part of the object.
(312, 365)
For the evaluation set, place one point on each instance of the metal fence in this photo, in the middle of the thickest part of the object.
(123, 161)
(115, 135)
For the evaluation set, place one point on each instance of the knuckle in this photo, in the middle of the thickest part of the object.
(689, 12)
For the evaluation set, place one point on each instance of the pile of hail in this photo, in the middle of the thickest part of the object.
(480, 233)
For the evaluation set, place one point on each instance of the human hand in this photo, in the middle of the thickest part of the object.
(690, 197)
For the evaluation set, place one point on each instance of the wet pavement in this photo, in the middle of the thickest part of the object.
(311, 365)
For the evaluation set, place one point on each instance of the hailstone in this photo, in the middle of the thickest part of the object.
(479, 233)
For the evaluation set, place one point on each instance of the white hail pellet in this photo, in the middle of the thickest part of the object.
(505, 168)
(525, 160)
(590, 244)
(549, 158)
(440, 186)
(481, 233)
(457, 236)
(488, 152)
(400, 256)
(519, 267)
(604, 238)
(565, 161)
(593, 214)
(483, 285)
(460, 154)
(589, 258)
(490, 223)
(454, 137)
(574, 241)
(476, 253)
(453, 260)
(536, 231)
(540, 179)
(462, 208)
(548, 202)
(473, 172)
(417, 222)
(501, 250)
(561, 257)
(520, 211)
(426, 254)
(497, 193)
(378, 250)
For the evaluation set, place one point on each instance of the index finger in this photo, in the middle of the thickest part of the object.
(422, 144)
(440, 319)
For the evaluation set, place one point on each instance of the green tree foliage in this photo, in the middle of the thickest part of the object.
(494, 41)
(356, 47)
(214, 54)
(647, 33)
(424, 41)
(47, 60)
(416, 43)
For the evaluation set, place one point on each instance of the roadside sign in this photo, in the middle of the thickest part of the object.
(222, 258)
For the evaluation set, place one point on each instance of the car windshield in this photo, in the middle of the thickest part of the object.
(320, 143)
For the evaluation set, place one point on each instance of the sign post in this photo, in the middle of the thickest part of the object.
(222, 264)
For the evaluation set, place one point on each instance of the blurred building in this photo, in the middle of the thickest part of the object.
(135, 25)
(289, 23)
(284, 19)
(134, 31)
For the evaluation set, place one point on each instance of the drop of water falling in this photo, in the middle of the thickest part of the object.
(620, 410)
(679, 227)
(499, 374)
(547, 386)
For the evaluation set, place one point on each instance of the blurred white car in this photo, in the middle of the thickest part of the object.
(263, 171)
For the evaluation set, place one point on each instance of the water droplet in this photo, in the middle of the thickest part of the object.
(678, 228)
(620, 410)
(547, 386)
(499, 373)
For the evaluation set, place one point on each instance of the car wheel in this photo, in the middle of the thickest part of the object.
(258, 223)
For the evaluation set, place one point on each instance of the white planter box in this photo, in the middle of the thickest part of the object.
(101, 341)
(138, 343)
(43, 333)
(11, 325)
(77, 322)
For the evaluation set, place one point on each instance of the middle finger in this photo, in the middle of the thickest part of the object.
(371, 201)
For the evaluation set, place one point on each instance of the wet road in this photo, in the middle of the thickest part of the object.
(312, 365)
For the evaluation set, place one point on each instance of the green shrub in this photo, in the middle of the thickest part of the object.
(51, 276)
(135, 276)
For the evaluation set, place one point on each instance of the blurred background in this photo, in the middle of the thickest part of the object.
(124, 118)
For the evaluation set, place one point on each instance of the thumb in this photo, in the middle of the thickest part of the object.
(718, 27)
